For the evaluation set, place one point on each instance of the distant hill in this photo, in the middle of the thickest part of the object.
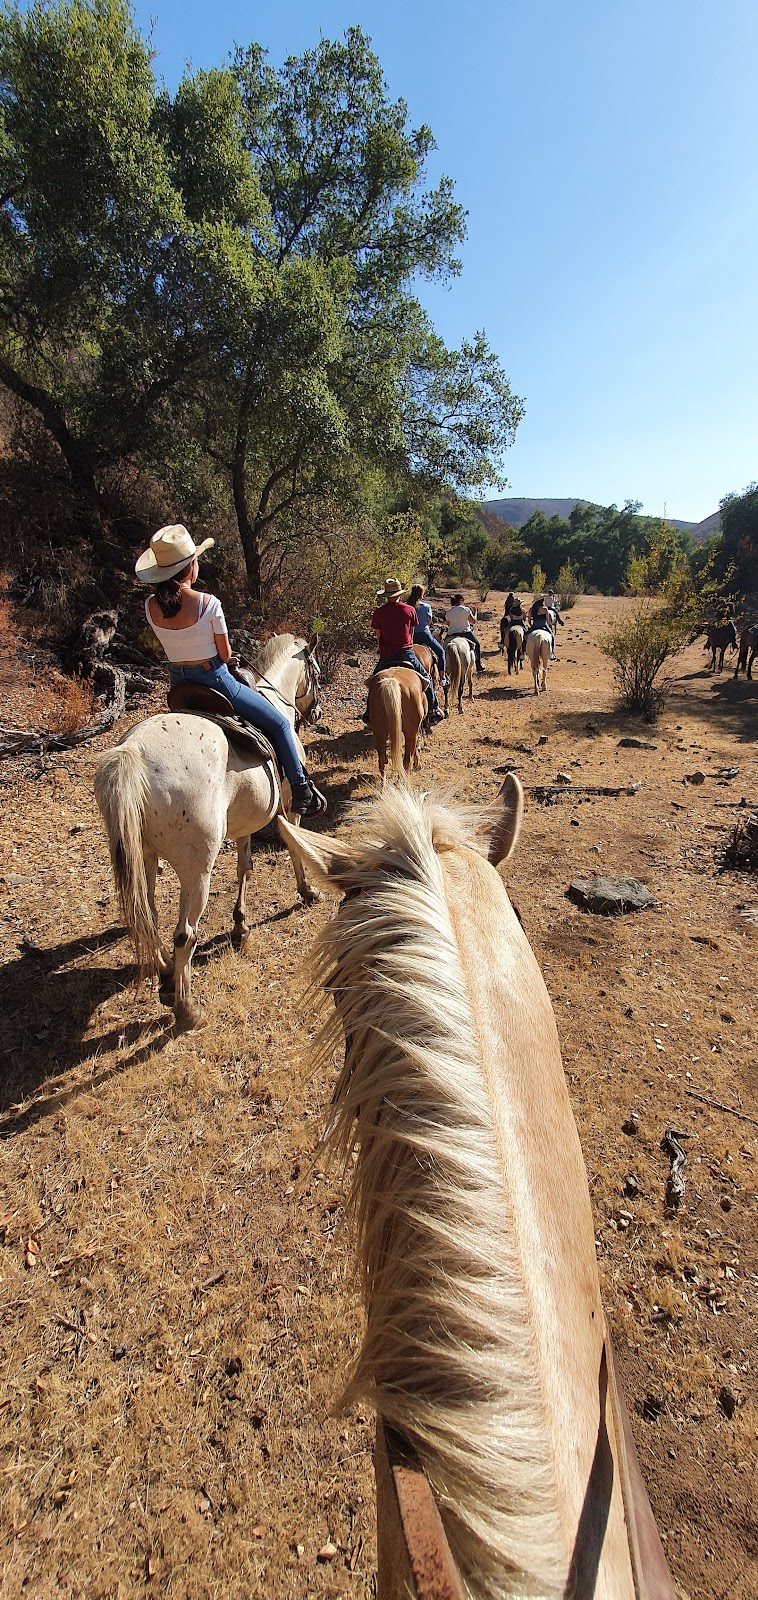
(518, 512)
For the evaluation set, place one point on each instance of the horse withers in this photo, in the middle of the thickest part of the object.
(174, 788)
(485, 1346)
(396, 711)
(460, 661)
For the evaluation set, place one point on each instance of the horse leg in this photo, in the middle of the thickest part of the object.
(165, 963)
(244, 869)
(305, 888)
(193, 900)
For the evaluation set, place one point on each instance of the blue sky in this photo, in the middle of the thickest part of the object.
(606, 153)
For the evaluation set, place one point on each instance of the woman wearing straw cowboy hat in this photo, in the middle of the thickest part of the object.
(191, 628)
(394, 624)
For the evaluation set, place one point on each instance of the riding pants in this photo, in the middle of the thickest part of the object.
(252, 707)
(425, 636)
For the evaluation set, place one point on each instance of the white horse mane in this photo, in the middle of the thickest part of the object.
(448, 1355)
(280, 644)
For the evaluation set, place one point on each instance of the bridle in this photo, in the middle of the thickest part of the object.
(303, 713)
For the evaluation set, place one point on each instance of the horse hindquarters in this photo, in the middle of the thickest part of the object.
(390, 728)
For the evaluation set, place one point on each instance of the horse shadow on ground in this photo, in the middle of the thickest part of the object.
(505, 691)
(731, 706)
(47, 1000)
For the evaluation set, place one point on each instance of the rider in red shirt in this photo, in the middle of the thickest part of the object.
(394, 624)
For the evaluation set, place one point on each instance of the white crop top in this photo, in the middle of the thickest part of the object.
(195, 643)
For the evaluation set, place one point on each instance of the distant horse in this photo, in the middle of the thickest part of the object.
(485, 1351)
(748, 650)
(460, 661)
(538, 646)
(717, 639)
(175, 788)
(515, 647)
(396, 710)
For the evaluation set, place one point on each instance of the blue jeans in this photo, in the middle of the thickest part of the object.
(425, 636)
(252, 707)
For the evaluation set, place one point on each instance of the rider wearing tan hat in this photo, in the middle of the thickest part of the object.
(394, 624)
(191, 628)
(171, 549)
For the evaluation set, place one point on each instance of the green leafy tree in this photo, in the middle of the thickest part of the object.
(739, 540)
(640, 643)
(110, 292)
(538, 578)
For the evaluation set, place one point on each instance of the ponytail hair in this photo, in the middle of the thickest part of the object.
(168, 594)
(415, 594)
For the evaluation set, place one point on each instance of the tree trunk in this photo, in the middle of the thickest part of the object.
(77, 457)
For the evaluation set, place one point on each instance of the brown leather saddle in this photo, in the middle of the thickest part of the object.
(212, 704)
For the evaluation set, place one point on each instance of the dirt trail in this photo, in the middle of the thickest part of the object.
(177, 1309)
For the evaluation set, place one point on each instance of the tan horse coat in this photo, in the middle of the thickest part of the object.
(485, 1334)
(396, 710)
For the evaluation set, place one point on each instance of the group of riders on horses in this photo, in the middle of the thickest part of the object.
(191, 628)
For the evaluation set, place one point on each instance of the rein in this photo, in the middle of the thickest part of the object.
(292, 705)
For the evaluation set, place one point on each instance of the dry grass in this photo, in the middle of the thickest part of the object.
(61, 705)
(170, 1362)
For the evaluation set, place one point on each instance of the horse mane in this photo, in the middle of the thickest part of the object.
(448, 1354)
(280, 644)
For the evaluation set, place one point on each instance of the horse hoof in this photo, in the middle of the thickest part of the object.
(310, 897)
(189, 1015)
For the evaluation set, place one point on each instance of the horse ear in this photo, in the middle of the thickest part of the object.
(504, 836)
(331, 859)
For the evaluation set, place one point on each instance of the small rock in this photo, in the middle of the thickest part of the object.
(611, 897)
(575, 822)
(327, 1552)
(726, 1204)
(13, 879)
(694, 777)
(728, 1401)
(563, 777)
(727, 772)
(631, 1184)
(542, 739)
(526, 749)
(633, 743)
(631, 1125)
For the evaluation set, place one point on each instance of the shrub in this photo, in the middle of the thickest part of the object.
(539, 579)
(62, 705)
(640, 644)
(567, 586)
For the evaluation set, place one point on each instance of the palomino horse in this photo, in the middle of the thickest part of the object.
(515, 647)
(485, 1343)
(717, 640)
(175, 788)
(748, 651)
(538, 646)
(396, 710)
(460, 660)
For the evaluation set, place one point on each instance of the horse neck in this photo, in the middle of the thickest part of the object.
(287, 678)
(453, 1069)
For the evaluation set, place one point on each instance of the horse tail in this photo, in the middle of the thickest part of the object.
(121, 786)
(392, 706)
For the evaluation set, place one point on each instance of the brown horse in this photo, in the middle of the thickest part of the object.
(719, 637)
(748, 650)
(515, 647)
(485, 1346)
(396, 710)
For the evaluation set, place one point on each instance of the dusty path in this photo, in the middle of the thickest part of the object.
(172, 1351)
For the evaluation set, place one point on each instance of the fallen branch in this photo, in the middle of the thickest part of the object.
(718, 1105)
(567, 791)
(675, 1184)
(112, 682)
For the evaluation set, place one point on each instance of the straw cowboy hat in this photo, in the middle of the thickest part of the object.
(392, 590)
(171, 550)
